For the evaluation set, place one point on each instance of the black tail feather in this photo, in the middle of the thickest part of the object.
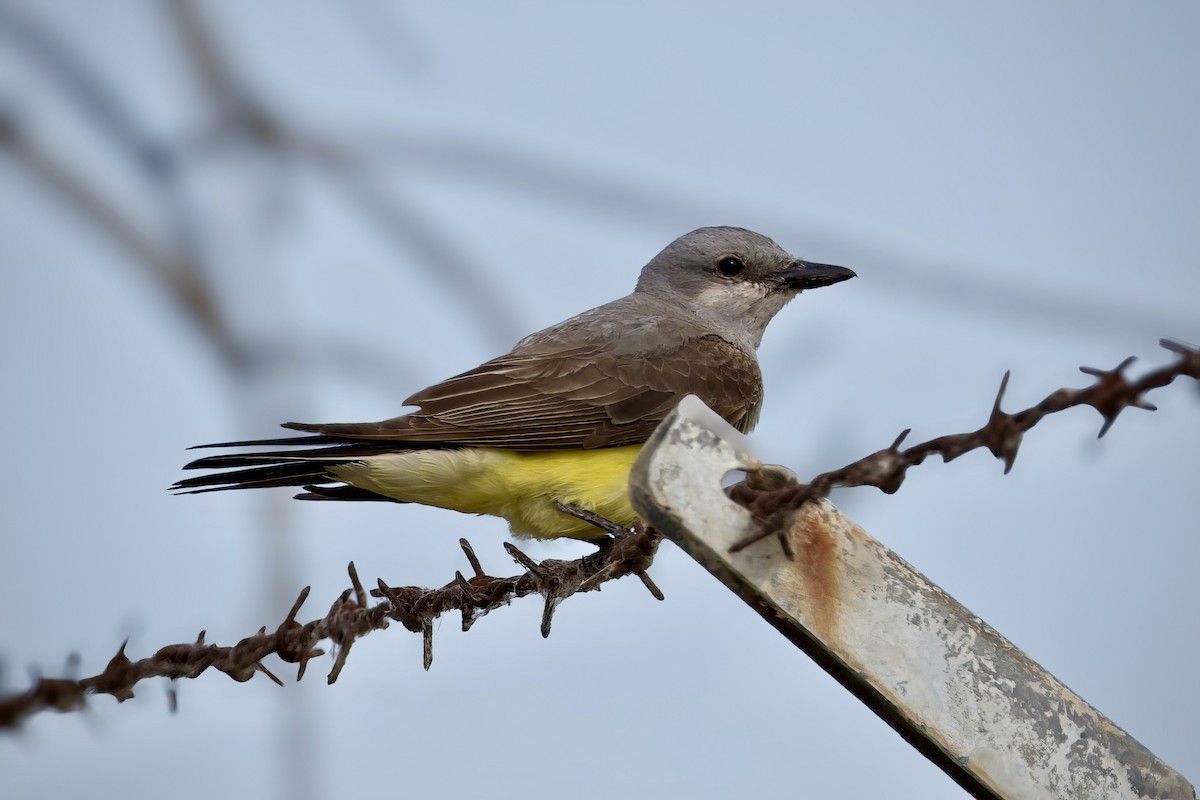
(293, 474)
(303, 467)
(340, 453)
(306, 467)
(290, 441)
(341, 493)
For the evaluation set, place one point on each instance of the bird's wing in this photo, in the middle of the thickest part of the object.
(580, 398)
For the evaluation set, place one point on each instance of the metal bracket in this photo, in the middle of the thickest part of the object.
(954, 688)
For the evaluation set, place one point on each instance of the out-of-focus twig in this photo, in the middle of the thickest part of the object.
(1111, 394)
(351, 617)
(86, 88)
(597, 192)
(254, 121)
(182, 283)
(408, 228)
(244, 116)
(99, 101)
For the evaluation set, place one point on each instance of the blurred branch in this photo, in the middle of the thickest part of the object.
(404, 225)
(237, 109)
(352, 165)
(176, 267)
(350, 618)
(174, 274)
(100, 103)
(97, 100)
(1111, 394)
(590, 190)
(533, 175)
(247, 116)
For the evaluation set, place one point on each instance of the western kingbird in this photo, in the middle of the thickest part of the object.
(561, 418)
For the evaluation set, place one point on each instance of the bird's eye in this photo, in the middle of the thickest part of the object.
(730, 266)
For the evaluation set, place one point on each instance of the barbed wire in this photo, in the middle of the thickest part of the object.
(623, 552)
(350, 618)
(1110, 394)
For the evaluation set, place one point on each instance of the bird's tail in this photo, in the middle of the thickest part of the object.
(307, 467)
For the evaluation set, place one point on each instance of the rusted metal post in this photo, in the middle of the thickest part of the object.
(954, 688)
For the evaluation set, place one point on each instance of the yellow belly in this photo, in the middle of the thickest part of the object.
(520, 487)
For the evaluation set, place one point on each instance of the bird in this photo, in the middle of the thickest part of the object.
(545, 435)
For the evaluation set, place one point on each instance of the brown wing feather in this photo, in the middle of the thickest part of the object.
(585, 398)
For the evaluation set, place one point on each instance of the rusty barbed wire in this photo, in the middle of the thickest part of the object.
(625, 553)
(350, 618)
(1110, 394)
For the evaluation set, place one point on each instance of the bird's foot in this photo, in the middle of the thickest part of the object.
(611, 529)
(627, 549)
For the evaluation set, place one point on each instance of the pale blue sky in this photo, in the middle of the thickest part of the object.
(1017, 186)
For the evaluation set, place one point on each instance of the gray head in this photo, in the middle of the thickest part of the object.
(734, 279)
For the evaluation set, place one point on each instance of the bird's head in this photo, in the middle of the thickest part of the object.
(734, 279)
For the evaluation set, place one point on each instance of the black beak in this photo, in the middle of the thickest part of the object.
(807, 275)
